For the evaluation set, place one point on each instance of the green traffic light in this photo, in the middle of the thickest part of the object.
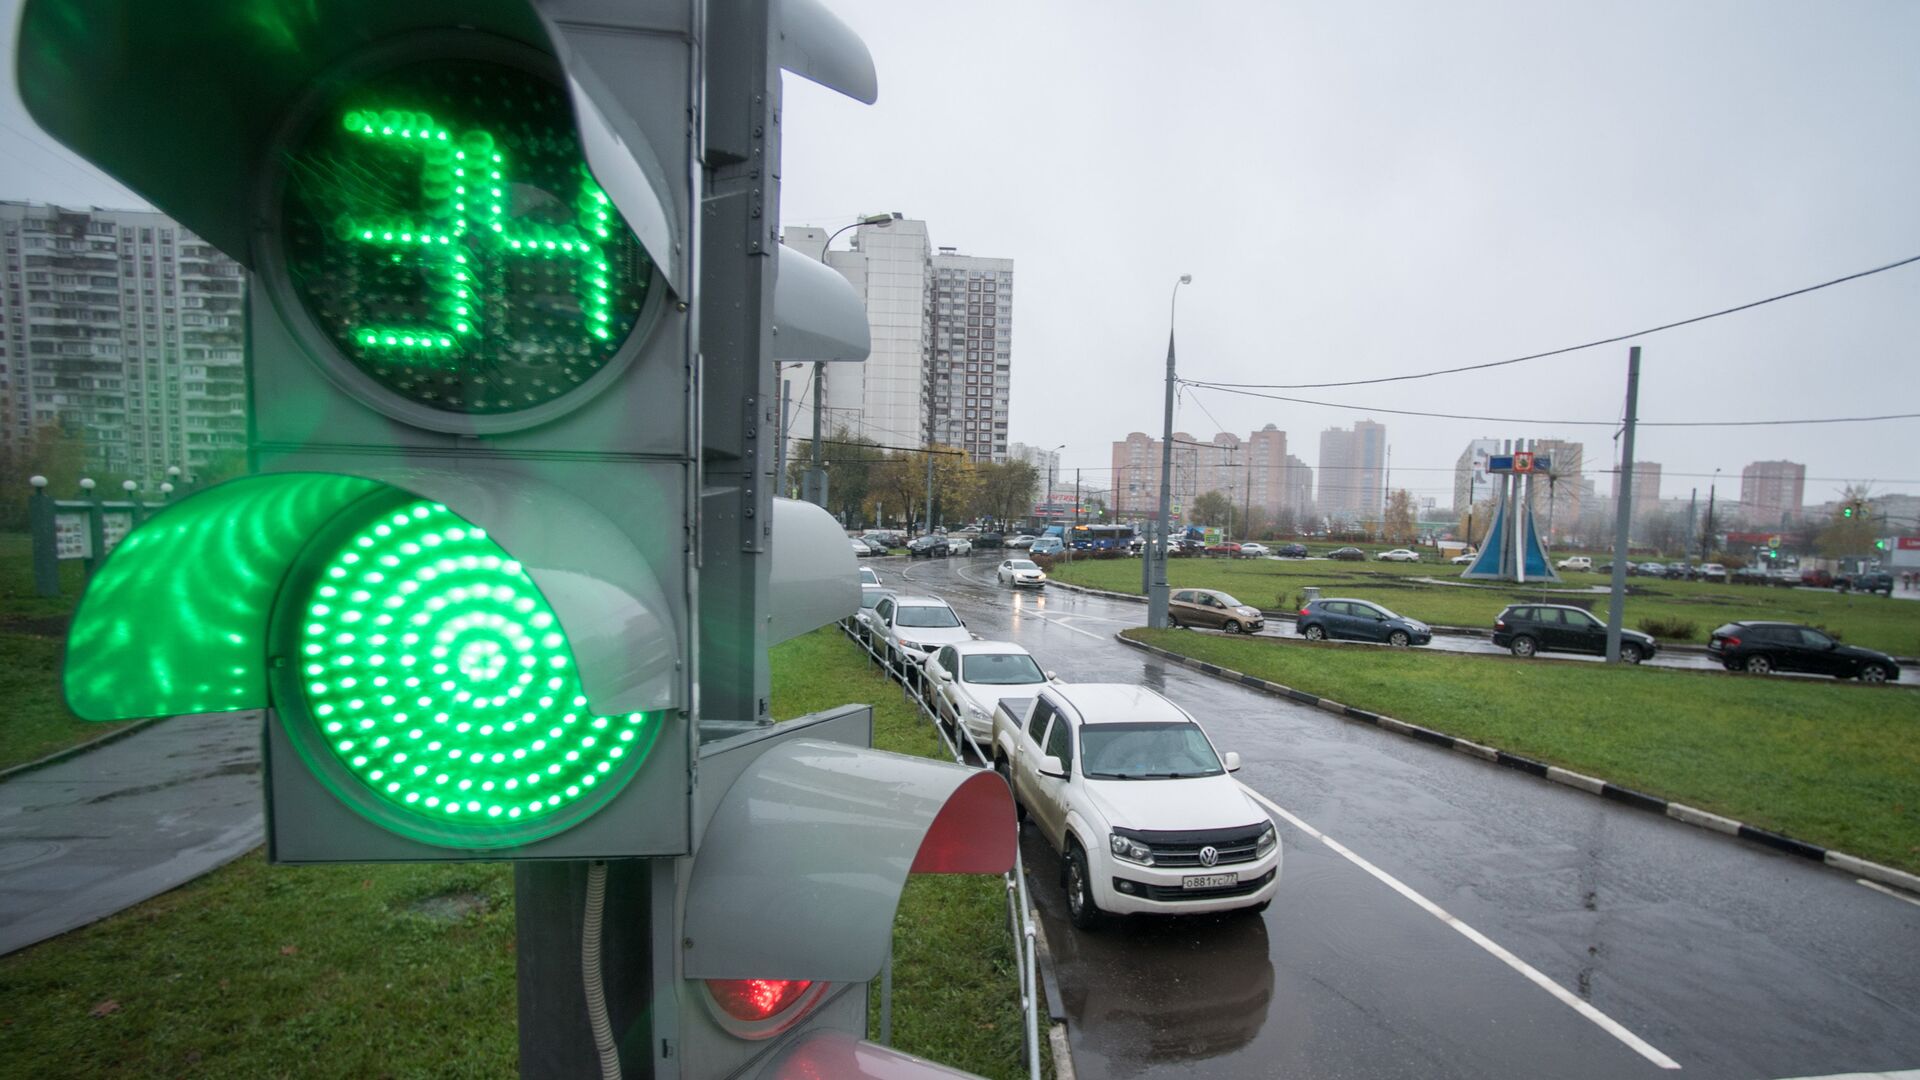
(1846, 511)
(438, 690)
(442, 229)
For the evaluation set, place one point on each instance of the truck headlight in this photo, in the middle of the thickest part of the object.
(1266, 842)
(1129, 849)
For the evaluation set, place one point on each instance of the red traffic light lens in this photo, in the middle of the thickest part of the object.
(754, 1000)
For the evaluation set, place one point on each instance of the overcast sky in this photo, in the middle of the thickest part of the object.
(1369, 189)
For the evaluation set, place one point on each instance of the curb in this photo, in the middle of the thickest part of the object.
(59, 756)
(1593, 785)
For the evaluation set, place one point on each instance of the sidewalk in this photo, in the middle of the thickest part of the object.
(84, 838)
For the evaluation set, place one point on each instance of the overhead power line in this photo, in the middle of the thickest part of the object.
(1615, 339)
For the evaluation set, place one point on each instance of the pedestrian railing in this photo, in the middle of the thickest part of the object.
(1020, 918)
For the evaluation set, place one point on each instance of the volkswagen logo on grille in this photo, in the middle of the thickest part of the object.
(1209, 855)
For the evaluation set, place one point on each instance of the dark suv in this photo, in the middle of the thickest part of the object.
(1358, 620)
(1765, 647)
(1291, 551)
(1866, 581)
(1526, 629)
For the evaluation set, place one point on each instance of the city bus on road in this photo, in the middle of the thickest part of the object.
(1099, 537)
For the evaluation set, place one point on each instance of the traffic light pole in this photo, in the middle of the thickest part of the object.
(1623, 511)
(568, 957)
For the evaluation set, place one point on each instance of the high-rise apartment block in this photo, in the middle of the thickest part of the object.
(942, 326)
(1771, 492)
(1353, 472)
(1470, 481)
(1561, 483)
(1646, 489)
(1253, 471)
(126, 331)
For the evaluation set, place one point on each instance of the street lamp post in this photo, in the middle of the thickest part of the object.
(814, 489)
(1157, 592)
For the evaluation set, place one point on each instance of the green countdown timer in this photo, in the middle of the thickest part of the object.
(441, 227)
(437, 680)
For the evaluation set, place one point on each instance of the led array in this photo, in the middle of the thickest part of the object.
(440, 678)
(444, 229)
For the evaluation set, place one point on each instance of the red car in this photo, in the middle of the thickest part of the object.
(1231, 551)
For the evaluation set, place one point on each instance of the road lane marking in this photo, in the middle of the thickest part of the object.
(1606, 1023)
(1879, 888)
(1904, 1074)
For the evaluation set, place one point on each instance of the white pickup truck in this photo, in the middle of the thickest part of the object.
(1131, 793)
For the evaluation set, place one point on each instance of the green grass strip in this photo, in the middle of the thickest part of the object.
(408, 970)
(1834, 764)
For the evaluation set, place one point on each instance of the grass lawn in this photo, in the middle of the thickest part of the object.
(257, 970)
(1832, 764)
(1876, 622)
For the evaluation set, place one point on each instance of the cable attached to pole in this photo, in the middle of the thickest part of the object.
(596, 990)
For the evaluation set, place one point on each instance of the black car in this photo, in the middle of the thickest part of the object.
(1291, 551)
(1526, 629)
(990, 540)
(1765, 647)
(1866, 581)
(929, 546)
(1348, 554)
(1359, 620)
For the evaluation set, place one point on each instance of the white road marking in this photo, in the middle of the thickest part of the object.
(1606, 1023)
(1904, 1074)
(1879, 888)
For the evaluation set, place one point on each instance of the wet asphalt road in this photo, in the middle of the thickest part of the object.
(1722, 956)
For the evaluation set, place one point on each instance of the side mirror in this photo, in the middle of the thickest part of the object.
(1052, 676)
(1231, 759)
(945, 675)
(1052, 766)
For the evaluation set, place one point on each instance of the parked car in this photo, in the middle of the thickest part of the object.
(1528, 629)
(862, 621)
(869, 578)
(1224, 549)
(1650, 569)
(1607, 568)
(966, 681)
(1465, 558)
(1712, 571)
(1021, 572)
(1359, 620)
(1048, 545)
(1186, 547)
(1214, 610)
(1866, 581)
(886, 538)
(1140, 805)
(861, 548)
(959, 545)
(1819, 579)
(992, 540)
(1291, 551)
(1765, 647)
(1575, 562)
(928, 546)
(1399, 555)
(1255, 551)
(1752, 575)
(906, 628)
(1347, 554)
(1021, 541)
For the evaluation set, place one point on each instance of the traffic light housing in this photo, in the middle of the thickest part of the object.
(1846, 511)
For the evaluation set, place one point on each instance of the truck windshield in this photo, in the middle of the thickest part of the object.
(1158, 751)
(1000, 669)
(927, 615)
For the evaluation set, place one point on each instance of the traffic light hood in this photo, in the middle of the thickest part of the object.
(194, 609)
(189, 109)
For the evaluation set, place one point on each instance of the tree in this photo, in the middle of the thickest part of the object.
(896, 482)
(1477, 522)
(1401, 525)
(50, 451)
(1005, 489)
(955, 478)
(1210, 508)
(1849, 534)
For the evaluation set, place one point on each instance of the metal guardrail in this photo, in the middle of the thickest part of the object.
(1020, 918)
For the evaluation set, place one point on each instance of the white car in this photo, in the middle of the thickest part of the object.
(1575, 562)
(1465, 558)
(906, 628)
(959, 545)
(1022, 541)
(869, 578)
(1132, 794)
(1018, 572)
(862, 621)
(1254, 551)
(1398, 555)
(967, 680)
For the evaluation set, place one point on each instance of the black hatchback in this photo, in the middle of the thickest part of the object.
(1526, 629)
(1291, 551)
(1766, 647)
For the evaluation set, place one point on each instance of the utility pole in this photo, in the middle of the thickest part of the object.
(816, 484)
(1076, 496)
(1706, 534)
(1623, 512)
(1157, 592)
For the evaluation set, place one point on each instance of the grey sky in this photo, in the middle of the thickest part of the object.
(1364, 190)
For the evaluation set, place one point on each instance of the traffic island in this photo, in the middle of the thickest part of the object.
(1815, 771)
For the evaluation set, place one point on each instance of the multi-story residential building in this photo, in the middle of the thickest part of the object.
(1255, 470)
(1470, 481)
(1560, 482)
(1353, 472)
(125, 330)
(1297, 490)
(1771, 492)
(1646, 489)
(942, 327)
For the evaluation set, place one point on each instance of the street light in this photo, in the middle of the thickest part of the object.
(816, 486)
(1157, 587)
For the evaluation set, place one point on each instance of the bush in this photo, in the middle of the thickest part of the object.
(1044, 562)
(1668, 629)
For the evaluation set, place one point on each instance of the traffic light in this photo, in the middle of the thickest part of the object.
(1880, 545)
(1846, 511)
(504, 577)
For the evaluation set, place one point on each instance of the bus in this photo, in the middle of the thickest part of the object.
(1100, 537)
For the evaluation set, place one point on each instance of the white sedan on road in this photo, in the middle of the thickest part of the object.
(959, 545)
(1398, 555)
(970, 678)
(1254, 551)
(1019, 572)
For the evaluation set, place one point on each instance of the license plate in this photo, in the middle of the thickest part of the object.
(1209, 881)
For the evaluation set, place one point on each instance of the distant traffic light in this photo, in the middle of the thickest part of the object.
(1880, 545)
(1846, 511)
